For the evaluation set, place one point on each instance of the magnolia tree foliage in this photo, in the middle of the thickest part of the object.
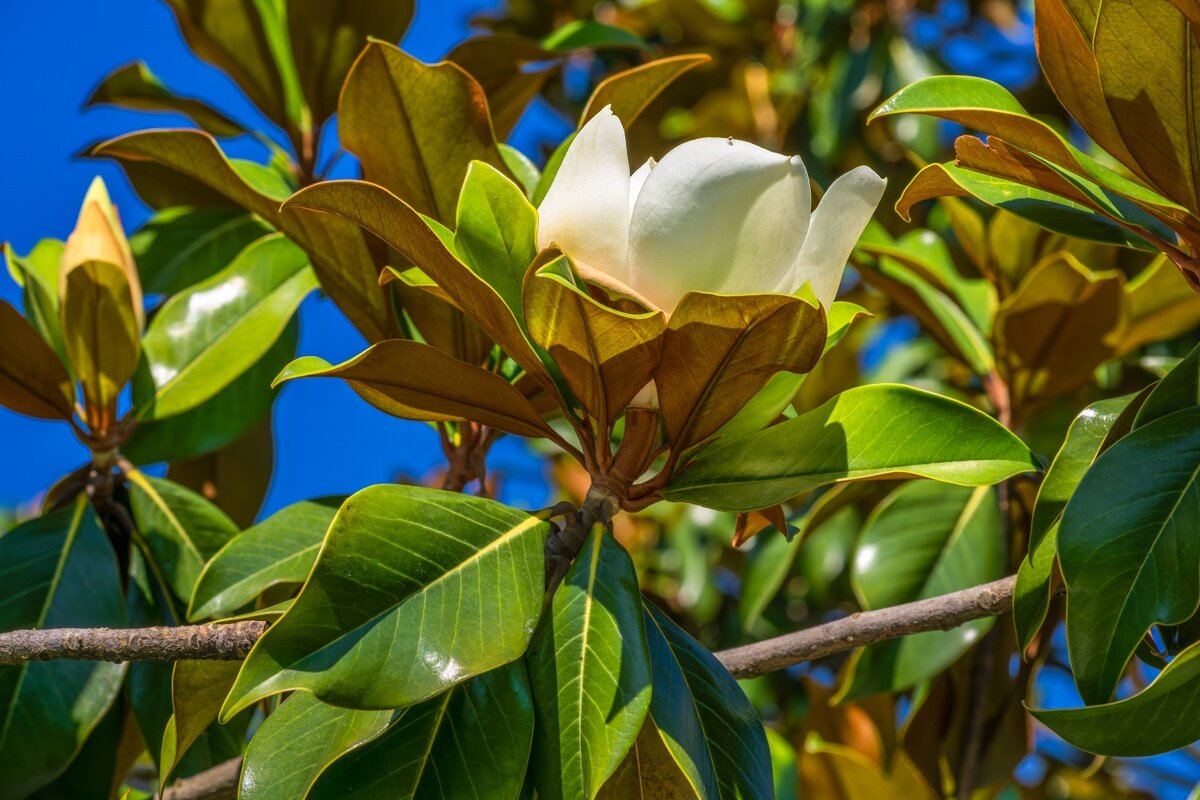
(670, 338)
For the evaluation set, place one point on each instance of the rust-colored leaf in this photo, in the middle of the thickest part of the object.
(415, 381)
(629, 92)
(750, 524)
(499, 64)
(720, 350)
(32, 379)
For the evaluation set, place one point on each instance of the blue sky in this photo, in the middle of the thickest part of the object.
(327, 440)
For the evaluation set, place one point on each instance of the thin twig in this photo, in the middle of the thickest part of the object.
(215, 783)
(232, 641)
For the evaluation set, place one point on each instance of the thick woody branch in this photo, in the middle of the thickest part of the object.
(232, 641)
(936, 613)
(216, 642)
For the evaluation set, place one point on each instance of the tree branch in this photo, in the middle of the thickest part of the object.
(215, 783)
(217, 642)
(232, 641)
(937, 613)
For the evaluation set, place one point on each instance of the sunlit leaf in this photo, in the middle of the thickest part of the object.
(870, 432)
(630, 91)
(135, 86)
(415, 590)
(1161, 306)
(179, 247)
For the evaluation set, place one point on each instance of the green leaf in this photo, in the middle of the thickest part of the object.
(416, 127)
(412, 380)
(101, 334)
(91, 775)
(590, 671)
(220, 420)
(629, 92)
(496, 232)
(415, 590)
(924, 540)
(1162, 717)
(204, 338)
(280, 549)
(181, 246)
(197, 690)
(870, 432)
(524, 170)
(327, 37)
(233, 36)
(580, 34)
(181, 167)
(37, 275)
(706, 721)
(58, 571)
(33, 380)
(1178, 391)
(1085, 438)
(181, 529)
(299, 742)
(135, 86)
(470, 741)
(1127, 548)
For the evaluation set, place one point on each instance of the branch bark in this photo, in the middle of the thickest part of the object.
(216, 783)
(232, 641)
(217, 642)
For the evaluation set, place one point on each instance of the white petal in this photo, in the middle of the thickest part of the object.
(586, 211)
(837, 223)
(637, 180)
(717, 215)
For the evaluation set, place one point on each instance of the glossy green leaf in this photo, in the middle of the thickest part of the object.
(706, 721)
(926, 539)
(1162, 717)
(1085, 438)
(590, 671)
(870, 432)
(496, 232)
(58, 571)
(220, 420)
(135, 86)
(180, 528)
(299, 742)
(1127, 547)
(179, 247)
(524, 170)
(416, 127)
(33, 380)
(1178, 391)
(91, 775)
(327, 37)
(415, 381)
(415, 590)
(280, 549)
(197, 690)
(470, 741)
(101, 334)
(206, 337)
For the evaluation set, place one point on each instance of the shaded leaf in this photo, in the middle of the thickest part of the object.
(1127, 550)
(206, 337)
(590, 672)
(706, 722)
(59, 571)
(197, 690)
(1161, 306)
(870, 432)
(32, 379)
(415, 590)
(234, 478)
(926, 539)
(280, 549)
(1160, 718)
(648, 771)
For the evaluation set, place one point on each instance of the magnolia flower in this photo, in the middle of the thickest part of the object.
(714, 215)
